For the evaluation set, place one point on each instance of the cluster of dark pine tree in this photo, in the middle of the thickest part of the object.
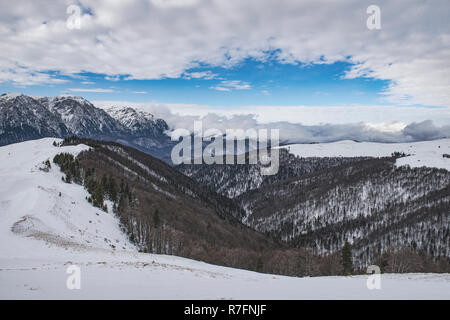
(46, 166)
(346, 258)
(100, 189)
(70, 166)
(73, 140)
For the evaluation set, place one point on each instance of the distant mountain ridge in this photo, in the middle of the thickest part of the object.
(138, 121)
(24, 117)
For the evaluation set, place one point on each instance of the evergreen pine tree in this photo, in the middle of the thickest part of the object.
(347, 263)
(156, 219)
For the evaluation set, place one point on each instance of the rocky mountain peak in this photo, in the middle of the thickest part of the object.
(138, 121)
(24, 117)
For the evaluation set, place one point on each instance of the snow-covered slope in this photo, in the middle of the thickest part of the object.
(420, 154)
(38, 205)
(164, 277)
(47, 225)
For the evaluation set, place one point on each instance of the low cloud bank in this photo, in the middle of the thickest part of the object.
(394, 131)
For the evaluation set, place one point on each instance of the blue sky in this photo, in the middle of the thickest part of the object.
(250, 82)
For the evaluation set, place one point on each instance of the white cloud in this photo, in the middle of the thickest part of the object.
(228, 85)
(112, 78)
(394, 126)
(140, 92)
(174, 3)
(206, 75)
(218, 88)
(23, 76)
(155, 39)
(309, 123)
(98, 90)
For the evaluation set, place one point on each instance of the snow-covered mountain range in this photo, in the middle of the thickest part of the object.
(105, 201)
(25, 117)
(47, 226)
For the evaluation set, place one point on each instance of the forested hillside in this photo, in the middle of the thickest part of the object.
(164, 211)
(320, 203)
